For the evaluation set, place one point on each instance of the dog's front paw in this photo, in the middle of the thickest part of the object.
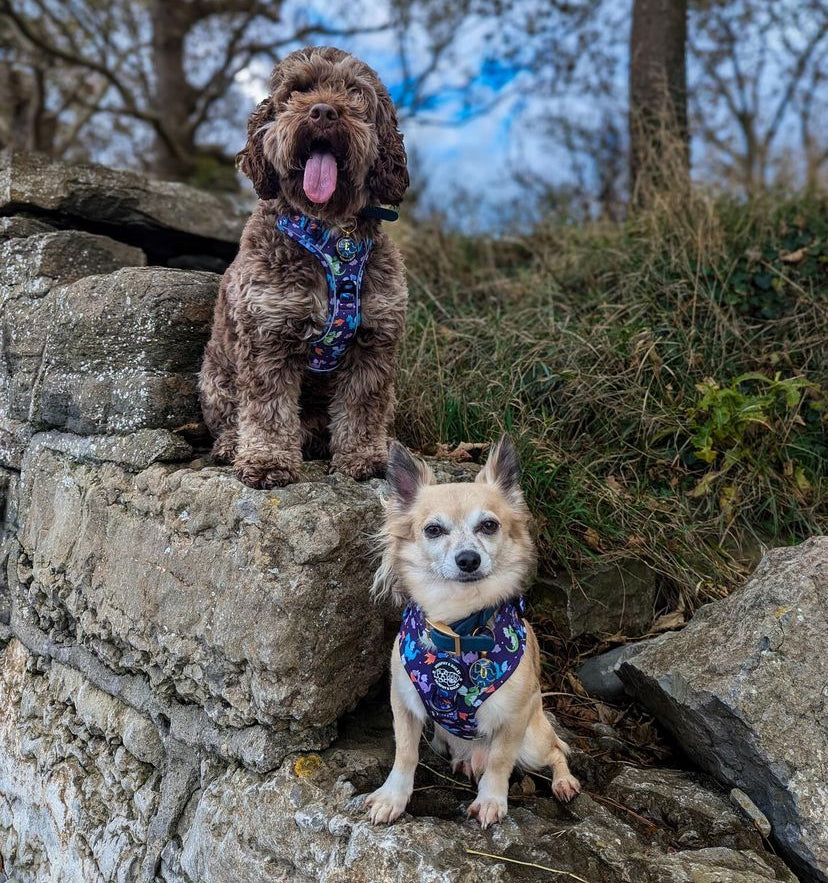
(360, 466)
(268, 468)
(488, 810)
(565, 787)
(224, 447)
(385, 805)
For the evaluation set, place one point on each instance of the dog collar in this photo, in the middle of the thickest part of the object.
(470, 634)
(378, 213)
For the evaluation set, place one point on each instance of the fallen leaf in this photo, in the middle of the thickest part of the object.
(592, 539)
(575, 683)
(801, 480)
(527, 785)
(615, 485)
(704, 484)
(463, 452)
(794, 257)
(669, 621)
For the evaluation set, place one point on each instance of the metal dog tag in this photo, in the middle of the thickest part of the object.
(483, 672)
(346, 248)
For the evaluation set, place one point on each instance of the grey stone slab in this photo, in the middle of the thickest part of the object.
(614, 599)
(743, 690)
(163, 218)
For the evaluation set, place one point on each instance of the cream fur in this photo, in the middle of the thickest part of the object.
(512, 726)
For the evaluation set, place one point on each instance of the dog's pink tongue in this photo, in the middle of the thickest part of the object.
(320, 177)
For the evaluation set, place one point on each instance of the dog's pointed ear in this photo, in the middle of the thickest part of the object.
(503, 469)
(252, 160)
(406, 475)
(388, 177)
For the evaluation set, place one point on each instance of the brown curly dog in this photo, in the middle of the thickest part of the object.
(322, 148)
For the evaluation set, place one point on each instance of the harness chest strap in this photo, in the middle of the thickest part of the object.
(456, 667)
(343, 259)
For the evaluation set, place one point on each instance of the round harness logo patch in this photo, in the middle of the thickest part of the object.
(447, 674)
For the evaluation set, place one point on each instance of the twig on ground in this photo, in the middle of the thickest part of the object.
(514, 861)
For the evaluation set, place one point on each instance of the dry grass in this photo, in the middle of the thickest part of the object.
(616, 355)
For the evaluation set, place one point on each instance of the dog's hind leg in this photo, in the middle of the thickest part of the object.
(218, 398)
(217, 386)
(542, 747)
(439, 744)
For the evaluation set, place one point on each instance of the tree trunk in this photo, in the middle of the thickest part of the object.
(659, 141)
(20, 104)
(174, 151)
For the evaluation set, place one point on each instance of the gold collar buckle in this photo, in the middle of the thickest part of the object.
(446, 630)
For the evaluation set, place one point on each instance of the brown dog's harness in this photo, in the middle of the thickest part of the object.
(343, 260)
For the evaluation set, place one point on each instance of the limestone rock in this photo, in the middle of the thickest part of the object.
(80, 803)
(135, 450)
(20, 226)
(9, 483)
(685, 803)
(743, 690)
(252, 605)
(306, 822)
(14, 438)
(30, 271)
(78, 781)
(108, 353)
(599, 674)
(31, 267)
(614, 599)
(164, 219)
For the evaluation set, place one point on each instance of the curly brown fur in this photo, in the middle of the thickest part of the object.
(260, 402)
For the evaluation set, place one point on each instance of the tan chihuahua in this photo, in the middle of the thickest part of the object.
(460, 554)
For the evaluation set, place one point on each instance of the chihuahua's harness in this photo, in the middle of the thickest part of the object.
(343, 259)
(456, 667)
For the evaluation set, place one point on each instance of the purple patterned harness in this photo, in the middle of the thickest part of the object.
(343, 260)
(452, 686)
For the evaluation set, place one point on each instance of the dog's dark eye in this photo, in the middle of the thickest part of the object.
(488, 525)
(432, 531)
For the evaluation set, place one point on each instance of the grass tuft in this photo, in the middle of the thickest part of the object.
(664, 378)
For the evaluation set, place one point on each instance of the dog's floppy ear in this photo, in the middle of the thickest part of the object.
(252, 160)
(388, 177)
(503, 469)
(406, 475)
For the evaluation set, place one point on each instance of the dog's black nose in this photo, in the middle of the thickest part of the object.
(323, 113)
(468, 561)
